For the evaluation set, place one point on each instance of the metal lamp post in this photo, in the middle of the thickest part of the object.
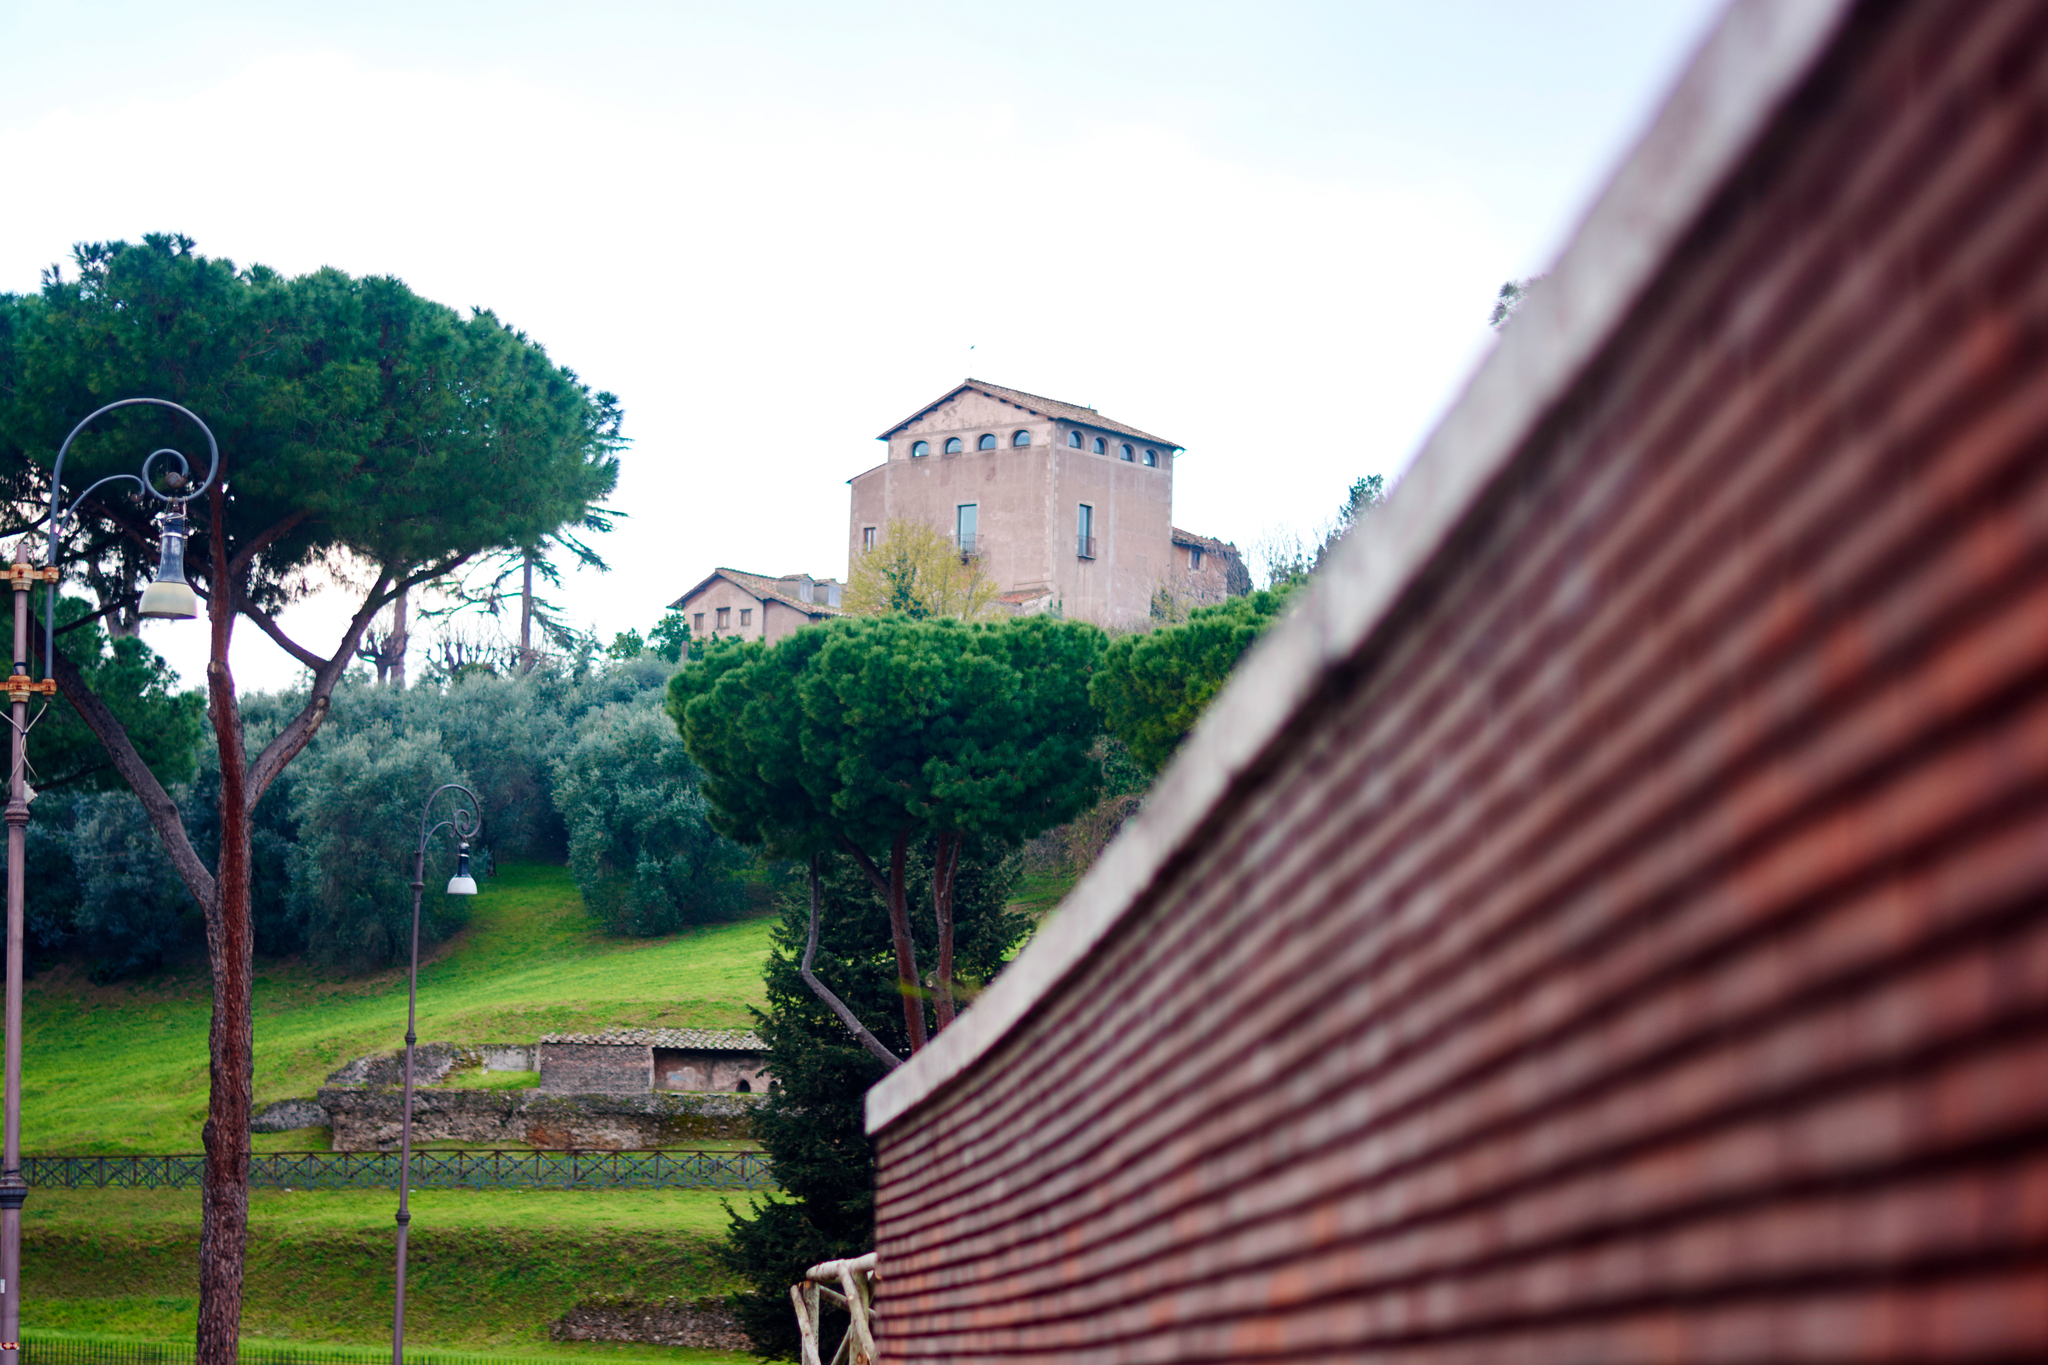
(465, 822)
(168, 597)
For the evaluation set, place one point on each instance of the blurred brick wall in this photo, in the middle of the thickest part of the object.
(1643, 955)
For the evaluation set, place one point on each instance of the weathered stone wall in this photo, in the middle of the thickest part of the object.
(509, 1056)
(684, 1069)
(431, 1063)
(707, 1324)
(596, 1068)
(369, 1119)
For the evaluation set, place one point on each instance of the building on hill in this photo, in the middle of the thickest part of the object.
(1205, 570)
(756, 606)
(637, 1061)
(1068, 510)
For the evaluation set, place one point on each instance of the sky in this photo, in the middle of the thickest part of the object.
(1270, 232)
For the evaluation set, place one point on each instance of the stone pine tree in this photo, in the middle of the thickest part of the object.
(1151, 689)
(363, 430)
(865, 736)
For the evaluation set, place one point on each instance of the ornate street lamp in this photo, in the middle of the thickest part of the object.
(464, 822)
(170, 596)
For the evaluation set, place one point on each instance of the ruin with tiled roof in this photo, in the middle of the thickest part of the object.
(639, 1060)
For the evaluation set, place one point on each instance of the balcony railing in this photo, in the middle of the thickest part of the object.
(969, 543)
(1087, 547)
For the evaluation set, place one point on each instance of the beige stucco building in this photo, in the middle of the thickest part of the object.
(756, 606)
(1067, 510)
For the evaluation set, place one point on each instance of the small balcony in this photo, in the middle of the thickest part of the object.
(969, 544)
(1087, 547)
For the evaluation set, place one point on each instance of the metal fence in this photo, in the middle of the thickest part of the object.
(431, 1170)
(87, 1350)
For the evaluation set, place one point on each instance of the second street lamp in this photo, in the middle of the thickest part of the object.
(168, 597)
(464, 822)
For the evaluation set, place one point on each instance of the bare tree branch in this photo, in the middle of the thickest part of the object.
(819, 989)
(163, 813)
(264, 539)
(267, 623)
(867, 865)
(326, 673)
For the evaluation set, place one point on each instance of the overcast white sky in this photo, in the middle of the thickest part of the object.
(1270, 232)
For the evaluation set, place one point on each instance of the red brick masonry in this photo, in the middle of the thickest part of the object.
(1640, 951)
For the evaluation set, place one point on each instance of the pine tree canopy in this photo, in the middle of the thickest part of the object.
(352, 414)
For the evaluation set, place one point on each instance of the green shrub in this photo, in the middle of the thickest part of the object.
(1150, 689)
(640, 848)
(357, 802)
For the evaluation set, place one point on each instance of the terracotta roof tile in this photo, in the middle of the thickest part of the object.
(1208, 544)
(1044, 407)
(700, 1039)
(761, 586)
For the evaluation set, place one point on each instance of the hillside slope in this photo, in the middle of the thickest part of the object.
(122, 1068)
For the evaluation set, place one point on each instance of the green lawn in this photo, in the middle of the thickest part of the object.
(122, 1068)
(486, 1269)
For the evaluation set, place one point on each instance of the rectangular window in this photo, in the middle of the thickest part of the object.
(725, 618)
(697, 623)
(1194, 558)
(746, 616)
(867, 537)
(1087, 530)
(964, 518)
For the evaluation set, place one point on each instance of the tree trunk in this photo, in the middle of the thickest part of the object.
(526, 616)
(945, 862)
(400, 639)
(230, 943)
(906, 949)
(824, 992)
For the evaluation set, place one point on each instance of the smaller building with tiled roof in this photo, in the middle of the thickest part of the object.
(731, 603)
(635, 1061)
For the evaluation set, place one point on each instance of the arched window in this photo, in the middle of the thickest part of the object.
(1126, 452)
(918, 448)
(744, 1087)
(952, 445)
(1101, 446)
(1151, 458)
(1074, 439)
(987, 441)
(1022, 438)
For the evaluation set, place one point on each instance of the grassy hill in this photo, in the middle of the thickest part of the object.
(122, 1068)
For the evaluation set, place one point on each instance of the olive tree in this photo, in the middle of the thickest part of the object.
(368, 437)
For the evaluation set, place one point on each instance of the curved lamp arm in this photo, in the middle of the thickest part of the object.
(182, 477)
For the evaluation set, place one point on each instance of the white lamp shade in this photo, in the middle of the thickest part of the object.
(169, 601)
(462, 884)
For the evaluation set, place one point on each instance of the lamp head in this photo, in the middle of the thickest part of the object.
(462, 884)
(170, 597)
